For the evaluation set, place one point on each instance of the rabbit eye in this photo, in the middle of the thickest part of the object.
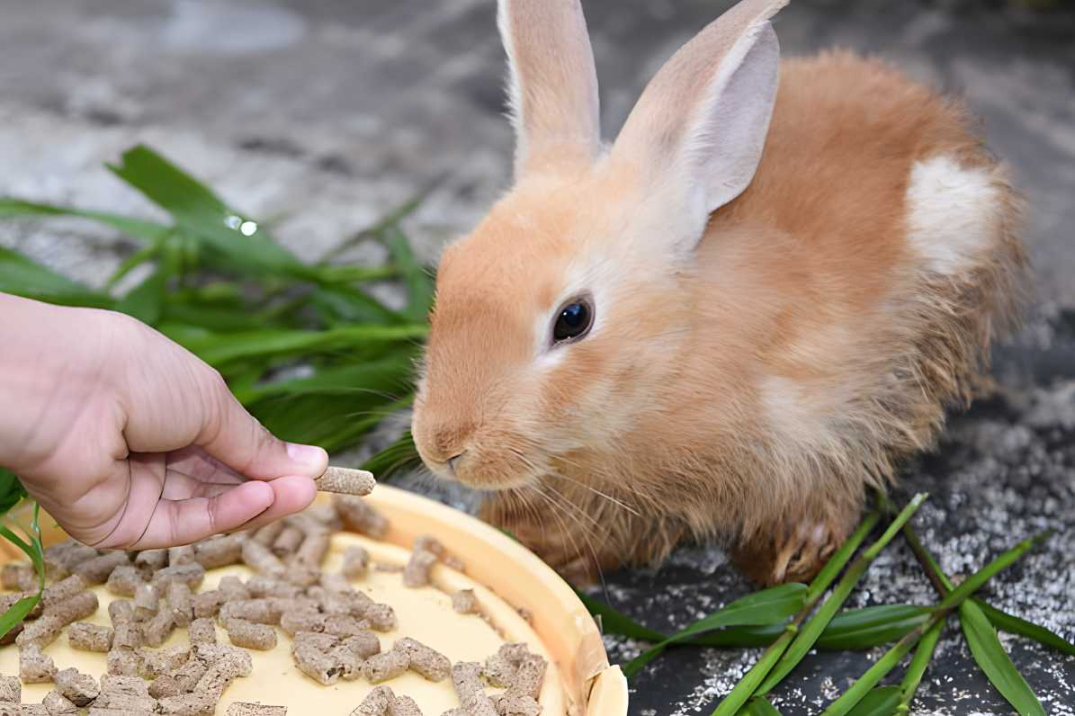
(574, 321)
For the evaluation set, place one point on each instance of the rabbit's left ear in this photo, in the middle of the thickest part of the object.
(699, 128)
(552, 86)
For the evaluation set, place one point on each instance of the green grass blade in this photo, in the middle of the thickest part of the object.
(197, 209)
(995, 662)
(145, 231)
(891, 659)
(769, 606)
(868, 627)
(1016, 625)
(760, 706)
(840, 558)
(922, 657)
(21, 276)
(11, 491)
(882, 701)
(17, 612)
(397, 457)
(615, 622)
(419, 281)
(223, 350)
(813, 629)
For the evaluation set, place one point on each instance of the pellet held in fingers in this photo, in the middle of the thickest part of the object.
(343, 481)
(90, 637)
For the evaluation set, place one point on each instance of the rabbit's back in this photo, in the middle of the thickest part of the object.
(865, 271)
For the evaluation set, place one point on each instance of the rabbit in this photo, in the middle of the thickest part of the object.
(729, 324)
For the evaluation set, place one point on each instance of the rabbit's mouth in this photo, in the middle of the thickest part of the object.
(496, 464)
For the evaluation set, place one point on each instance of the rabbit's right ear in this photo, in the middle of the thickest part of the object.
(696, 136)
(552, 87)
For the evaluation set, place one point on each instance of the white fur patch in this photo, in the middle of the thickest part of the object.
(953, 214)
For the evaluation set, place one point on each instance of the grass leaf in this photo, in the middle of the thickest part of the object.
(419, 280)
(21, 276)
(769, 606)
(922, 656)
(882, 701)
(17, 612)
(868, 627)
(995, 662)
(11, 491)
(145, 231)
(760, 706)
(1016, 625)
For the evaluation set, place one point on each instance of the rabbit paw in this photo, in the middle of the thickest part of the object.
(794, 556)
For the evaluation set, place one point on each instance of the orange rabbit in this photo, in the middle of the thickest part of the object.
(730, 322)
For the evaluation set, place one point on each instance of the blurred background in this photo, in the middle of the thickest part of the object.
(319, 117)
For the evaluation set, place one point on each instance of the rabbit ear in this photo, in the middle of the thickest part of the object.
(553, 83)
(700, 125)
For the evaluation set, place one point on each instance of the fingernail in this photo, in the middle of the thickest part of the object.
(309, 456)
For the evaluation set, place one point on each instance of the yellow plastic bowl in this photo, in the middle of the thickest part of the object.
(502, 565)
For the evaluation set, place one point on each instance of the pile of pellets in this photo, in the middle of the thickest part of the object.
(333, 627)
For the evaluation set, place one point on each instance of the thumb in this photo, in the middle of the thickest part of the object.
(235, 438)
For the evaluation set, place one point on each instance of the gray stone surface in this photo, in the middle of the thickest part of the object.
(320, 115)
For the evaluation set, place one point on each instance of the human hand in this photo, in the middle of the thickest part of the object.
(128, 440)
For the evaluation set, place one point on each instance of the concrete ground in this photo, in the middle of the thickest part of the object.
(321, 115)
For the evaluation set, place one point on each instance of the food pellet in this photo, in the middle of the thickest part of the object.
(179, 600)
(133, 685)
(267, 535)
(249, 635)
(18, 577)
(364, 644)
(58, 705)
(40, 632)
(10, 689)
(163, 661)
(120, 611)
(207, 604)
(192, 574)
(321, 642)
(72, 609)
(240, 708)
(416, 573)
(63, 590)
(30, 710)
(124, 703)
(466, 678)
(157, 630)
(124, 580)
(316, 664)
(359, 516)
(163, 686)
(428, 663)
(188, 675)
(511, 704)
(261, 611)
(326, 515)
(381, 617)
(215, 653)
(356, 562)
(464, 602)
(90, 637)
(404, 706)
(288, 541)
(183, 554)
(78, 688)
(313, 549)
(294, 621)
(345, 626)
(152, 559)
(123, 662)
(127, 635)
(376, 702)
(98, 569)
(69, 553)
(99, 711)
(220, 551)
(450, 560)
(233, 588)
(268, 587)
(346, 482)
(386, 665)
(146, 602)
(202, 631)
(258, 557)
(199, 703)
